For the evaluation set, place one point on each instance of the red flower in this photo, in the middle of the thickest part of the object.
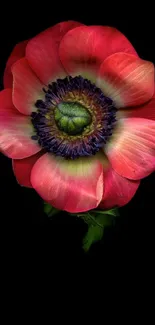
(102, 116)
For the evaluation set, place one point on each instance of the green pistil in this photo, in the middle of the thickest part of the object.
(72, 117)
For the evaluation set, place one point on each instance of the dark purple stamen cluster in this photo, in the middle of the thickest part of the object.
(47, 133)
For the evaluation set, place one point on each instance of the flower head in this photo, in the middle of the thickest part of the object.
(77, 116)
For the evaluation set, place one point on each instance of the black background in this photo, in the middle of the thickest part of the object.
(25, 226)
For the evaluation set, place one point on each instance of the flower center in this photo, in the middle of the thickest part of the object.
(72, 117)
(75, 119)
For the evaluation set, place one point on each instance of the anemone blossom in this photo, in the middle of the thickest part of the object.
(77, 116)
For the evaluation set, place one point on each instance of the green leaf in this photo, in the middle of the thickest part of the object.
(49, 210)
(114, 212)
(93, 234)
(97, 221)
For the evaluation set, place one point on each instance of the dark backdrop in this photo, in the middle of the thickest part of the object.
(26, 226)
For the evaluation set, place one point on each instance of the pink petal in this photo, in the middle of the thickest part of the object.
(17, 53)
(145, 111)
(42, 52)
(27, 88)
(15, 130)
(22, 169)
(131, 150)
(74, 186)
(126, 79)
(84, 48)
(118, 191)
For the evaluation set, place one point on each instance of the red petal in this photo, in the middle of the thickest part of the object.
(22, 169)
(118, 190)
(26, 87)
(17, 53)
(85, 47)
(146, 111)
(42, 52)
(131, 150)
(74, 186)
(15, 130)
(126, 79)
